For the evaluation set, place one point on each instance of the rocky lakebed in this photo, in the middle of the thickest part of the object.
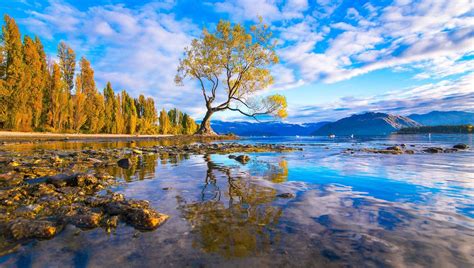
(44, 190)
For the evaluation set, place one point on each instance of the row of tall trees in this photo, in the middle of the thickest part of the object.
(41, 95)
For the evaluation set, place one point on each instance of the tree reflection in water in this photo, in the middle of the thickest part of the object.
(233, 222)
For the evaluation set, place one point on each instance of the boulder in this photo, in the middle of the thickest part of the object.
(144, 218)
(433, 150)
(87, 220)
(26, 229)
(461, 146)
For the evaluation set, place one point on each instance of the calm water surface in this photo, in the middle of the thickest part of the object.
(349, 210)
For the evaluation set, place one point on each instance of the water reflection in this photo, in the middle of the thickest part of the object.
(142, 166)
(357, 210)
(233, 222)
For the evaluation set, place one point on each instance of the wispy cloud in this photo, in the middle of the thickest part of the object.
(137, 49)
(446, 95)
(137, 46)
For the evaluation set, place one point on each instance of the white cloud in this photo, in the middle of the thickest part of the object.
(446, 95)
(269, 10)
(402, 34)
(137, 50)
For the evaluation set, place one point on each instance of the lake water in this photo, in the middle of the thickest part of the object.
(360, 209)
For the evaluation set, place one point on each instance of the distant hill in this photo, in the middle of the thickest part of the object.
(437, 118)
(367, 124)
(437, 129)
(265, 128)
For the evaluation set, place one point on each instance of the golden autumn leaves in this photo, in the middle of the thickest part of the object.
(232, 64)
(37, 94)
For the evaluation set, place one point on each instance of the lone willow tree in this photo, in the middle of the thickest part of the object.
(231, 65)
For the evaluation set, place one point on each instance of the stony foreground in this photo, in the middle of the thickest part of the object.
(42, 191)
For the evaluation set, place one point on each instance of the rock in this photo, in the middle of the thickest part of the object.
(124, 163)
(243, 159)
(394, 148)
(60, 180)
(87, 220)
(28, 211)
(433, 150)
(450, 150)
(25, 229)
(86, 180)
(144, 218)
(232, 156)
(409, 151)
(461, 146)
(286, 195)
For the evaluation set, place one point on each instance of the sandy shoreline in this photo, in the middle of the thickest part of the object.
(24, 136)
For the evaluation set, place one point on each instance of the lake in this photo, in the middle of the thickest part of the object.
(359, 209)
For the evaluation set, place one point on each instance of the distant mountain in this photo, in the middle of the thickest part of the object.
(265, 128)
(437, 118)
(367, 124)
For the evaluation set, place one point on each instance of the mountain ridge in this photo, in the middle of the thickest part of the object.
(376, 123)
(369, 123)
(437, 118)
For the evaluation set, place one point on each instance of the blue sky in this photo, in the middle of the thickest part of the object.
(337, 57)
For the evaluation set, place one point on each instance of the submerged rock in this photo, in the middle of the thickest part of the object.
(286, 195)
(243, 159)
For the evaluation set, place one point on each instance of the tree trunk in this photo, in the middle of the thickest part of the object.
(205, 128)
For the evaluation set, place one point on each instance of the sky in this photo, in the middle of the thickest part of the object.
(337, 57)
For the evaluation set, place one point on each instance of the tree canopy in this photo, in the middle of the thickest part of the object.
(37, 95)
(231, 64)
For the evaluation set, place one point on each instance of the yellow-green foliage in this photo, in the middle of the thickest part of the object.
(35, 96)
(239, 57)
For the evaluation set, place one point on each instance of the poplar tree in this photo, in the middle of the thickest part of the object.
(97, 118)
(14, 95)
(45, 83)
(119, 119)
(57, 95)
(164, 122)
(36, 76)
(80, 116)
(188, 125)
(67, 63)
(88, 88)
(36, 94)
(129, 112)
(110, 117)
